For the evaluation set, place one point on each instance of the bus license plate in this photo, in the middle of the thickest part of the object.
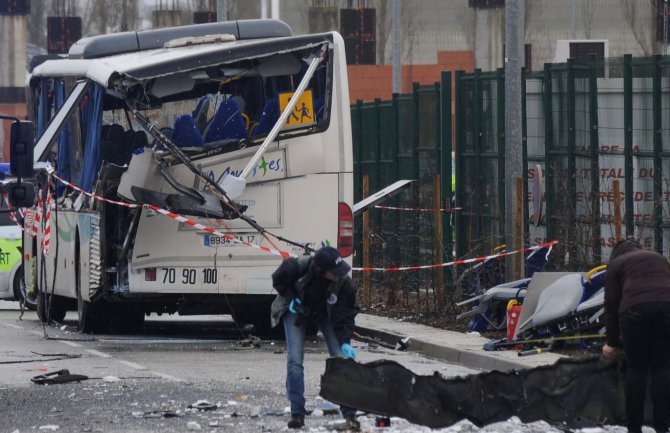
(220, 241)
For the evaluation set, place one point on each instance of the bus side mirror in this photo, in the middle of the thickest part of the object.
(22, 137)
(20, 194)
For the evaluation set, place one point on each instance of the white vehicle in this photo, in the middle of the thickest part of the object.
(10, 260)
(240, 128)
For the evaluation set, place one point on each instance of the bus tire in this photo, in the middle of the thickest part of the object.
(50, 308)
(28, 300)
(86, 318)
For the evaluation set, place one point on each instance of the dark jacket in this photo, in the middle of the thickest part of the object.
(295, 278)
(634, 278)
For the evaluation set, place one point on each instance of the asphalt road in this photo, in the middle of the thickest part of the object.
(146, 383)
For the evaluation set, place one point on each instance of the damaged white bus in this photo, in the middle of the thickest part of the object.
(239, 127)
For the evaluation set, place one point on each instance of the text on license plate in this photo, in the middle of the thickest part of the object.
(219, 241)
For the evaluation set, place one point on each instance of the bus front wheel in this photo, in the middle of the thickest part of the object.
(49, 308)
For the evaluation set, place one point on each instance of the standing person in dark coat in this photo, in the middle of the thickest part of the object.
(317, 290)
(637, 316)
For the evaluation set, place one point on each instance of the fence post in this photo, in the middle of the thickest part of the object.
(447, 186)
(571, 173)
(460, 184)
(437, 242)
(396, 278)
(628, 142)
(366, 246)
(477, 126)
(502, 172)
(658, 148)
(595, 165)
(617, 209)
(548, 151)
(518, 228)
(524, 151)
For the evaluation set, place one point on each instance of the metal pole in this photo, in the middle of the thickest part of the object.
(514, 61)
(222, 10)
(275, 9)
(264, 9)
(573, 27)
(395, 44)
(665, 27)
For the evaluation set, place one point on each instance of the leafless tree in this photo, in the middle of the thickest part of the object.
(37, 23)
(588, 9)
(467, 20)
(641, 33)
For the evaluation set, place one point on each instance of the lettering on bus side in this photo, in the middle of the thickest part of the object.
(270, 168)
(189, 276)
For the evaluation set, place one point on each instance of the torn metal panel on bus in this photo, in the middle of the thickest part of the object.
(172, 114)
(572, 393)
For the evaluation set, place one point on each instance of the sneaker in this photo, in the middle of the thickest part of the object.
(297, 421)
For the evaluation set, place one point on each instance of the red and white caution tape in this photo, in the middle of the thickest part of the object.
(37, 222)
(12, 216)
(460, 262)
(28, 221)
(449, 210)
(212, 231)
(177, 217)
(46, 239)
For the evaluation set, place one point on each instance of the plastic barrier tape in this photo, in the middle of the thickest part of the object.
(176, 217)
(449, 210)
(460, 262)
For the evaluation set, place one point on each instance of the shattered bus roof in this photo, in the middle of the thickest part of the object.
(154, 63)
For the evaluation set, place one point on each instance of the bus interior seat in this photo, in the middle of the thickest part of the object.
(185, 133)
(200, 113)
(111, 143)
(133, 140)
(227, 123)
(268, 118)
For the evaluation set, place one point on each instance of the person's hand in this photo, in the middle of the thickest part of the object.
(295, 305)
(348, 351)
(609, 351)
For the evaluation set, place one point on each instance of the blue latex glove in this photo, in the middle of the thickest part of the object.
(295, 305)
(348, 351)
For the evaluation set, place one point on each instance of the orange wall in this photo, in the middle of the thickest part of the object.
(367, 82)
(16, 110)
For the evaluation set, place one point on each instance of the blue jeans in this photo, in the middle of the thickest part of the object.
(295, 345)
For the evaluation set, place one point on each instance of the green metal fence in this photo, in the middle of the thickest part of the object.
(589, 128)
(407, 137)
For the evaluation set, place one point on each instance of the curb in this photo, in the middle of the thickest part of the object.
(466, 356)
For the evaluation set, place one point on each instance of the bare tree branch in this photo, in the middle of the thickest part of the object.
(630, 9)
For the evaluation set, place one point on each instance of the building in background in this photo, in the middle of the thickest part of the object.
(434, 34)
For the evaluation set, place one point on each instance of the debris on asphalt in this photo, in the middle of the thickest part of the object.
(193, 425)
(203, 405)
(57, 377)
(402, 344)
(382, 421)
(252, 341)
(327, 408)
(156, 414)
(111, 379)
